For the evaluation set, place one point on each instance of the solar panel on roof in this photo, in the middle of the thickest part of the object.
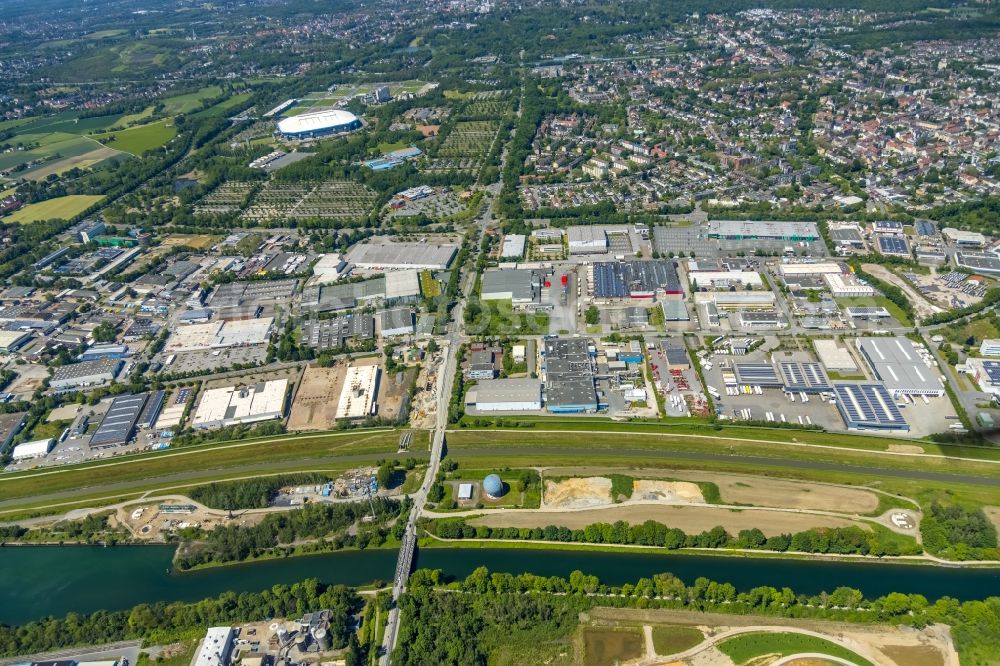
(892, 244)
(868, 406)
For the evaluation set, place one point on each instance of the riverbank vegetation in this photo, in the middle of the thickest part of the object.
(161, 623)
(958, 532)
(528, 615)
(837, 541)
(279, 533)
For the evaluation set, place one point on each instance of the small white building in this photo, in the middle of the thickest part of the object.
(990, 347)
(846, 286)
(32, 450)
(216, 648)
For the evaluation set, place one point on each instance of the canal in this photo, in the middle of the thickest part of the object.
(36, 581)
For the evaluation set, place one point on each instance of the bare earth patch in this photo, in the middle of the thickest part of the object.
(905, 448)
(690, 519)
(993, 513)
(666, 491)
(574, 493)
(316, 401)
(753, 490)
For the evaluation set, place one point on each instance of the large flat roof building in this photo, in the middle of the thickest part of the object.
(868, 407)
(520, 286)
(398, 255)
(216, 648)
(221, 407)
(763, 230)
(587, 240)
(220, 334)
(359, 394)
(569, 376)
(898, 364)
(32, 450)
(635, 279)
(513, 246)
(397, 322)
(506, 395)
(86, 373)
(120, 420)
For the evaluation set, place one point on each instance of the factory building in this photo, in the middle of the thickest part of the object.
(119, 421)
(613, 280)
(901, 366)
(323, 334)
(568, 368)
(219, 334)
(868, 407)
(513, 246)
(87, 373)
(846, 286)
(964, 239)
(763, 230)
(359, 394)
(221, 407)
(11, 341)
(520, 286)
(587, 240)
(100, 352)
(397, 322)
(400, 255)
(506, 395)
(32, 450)
(736, 300)
(834, 357)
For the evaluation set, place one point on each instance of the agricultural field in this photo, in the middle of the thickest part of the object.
(189, 101)
(465, 147)
(137, 140)
(60, 207)
(229, 196)
(340, 200)
(52, 152)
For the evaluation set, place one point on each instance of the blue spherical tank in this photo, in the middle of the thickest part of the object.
(493, 485)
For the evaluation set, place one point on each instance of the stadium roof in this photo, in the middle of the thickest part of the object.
(868, 406)
(317, 121)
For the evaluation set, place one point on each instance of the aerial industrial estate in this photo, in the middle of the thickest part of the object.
(394, 286)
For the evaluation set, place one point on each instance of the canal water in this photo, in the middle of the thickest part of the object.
(36, 581)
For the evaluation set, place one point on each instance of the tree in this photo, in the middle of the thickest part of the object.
(593, 315)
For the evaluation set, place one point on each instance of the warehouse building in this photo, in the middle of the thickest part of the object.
(676, 354)
(506, 395)
(868, 407)
(846, 286)
(119, 422)
(513, 246)
(964, 239)
(400, 255)
(758, 320)
(587, 240)
(520, 286)
(763, 230)
(804, 377)
(326, 334)
(756, 374)
(359, 394)
(736, 300)
(397, 322)
(10, 425)
(613, 280)
(100, 352)
(569, 376)
(32, 450)
(220, 334)
(221, 407)
(87, 373)
(901, 366)
(799, 269)
(978, 262)
(11, 341)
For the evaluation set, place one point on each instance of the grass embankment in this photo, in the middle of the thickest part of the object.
(130, 476)
(672, 639)
(743, 649)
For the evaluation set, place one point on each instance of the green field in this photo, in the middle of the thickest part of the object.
(188, 102)
(672, 639)
(60, 207)
(877, 301)
(137, 140)
(742, 649)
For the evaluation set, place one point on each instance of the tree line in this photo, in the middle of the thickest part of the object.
(837, 540)
(251, 493)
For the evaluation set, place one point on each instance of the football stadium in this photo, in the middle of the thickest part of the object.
(318, 123)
